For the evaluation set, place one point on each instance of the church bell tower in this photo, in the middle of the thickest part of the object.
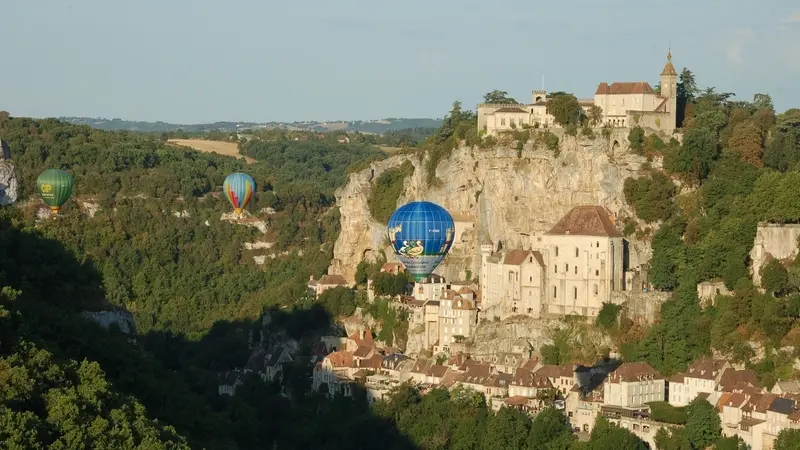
(669, 90)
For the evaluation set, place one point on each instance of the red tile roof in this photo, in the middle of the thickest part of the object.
(587, 220)
(634, 371)
(625, 88)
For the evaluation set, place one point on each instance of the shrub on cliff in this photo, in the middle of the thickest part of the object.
(651, 197)
(457, 126)
(386, 189)
(636, 140)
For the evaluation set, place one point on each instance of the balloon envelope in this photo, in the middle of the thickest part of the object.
(55, 187)
(239, 188)
(421, 234)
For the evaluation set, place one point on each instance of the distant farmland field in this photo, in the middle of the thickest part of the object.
(219, 147)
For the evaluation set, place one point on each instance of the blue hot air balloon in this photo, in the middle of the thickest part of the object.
(421, 234)
(239, 189)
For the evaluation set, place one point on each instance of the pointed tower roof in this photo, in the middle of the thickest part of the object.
(669, 69)
(486, 240)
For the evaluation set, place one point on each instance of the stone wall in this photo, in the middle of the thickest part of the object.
(642, 306)
(510, 198)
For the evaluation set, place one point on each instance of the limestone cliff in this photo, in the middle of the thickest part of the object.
(8, 176)
(512, 198)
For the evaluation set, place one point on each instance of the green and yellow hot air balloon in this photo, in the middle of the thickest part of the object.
(55, 186)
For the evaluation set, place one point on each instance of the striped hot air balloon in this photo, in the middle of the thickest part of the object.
(55, 187)
(239, 188)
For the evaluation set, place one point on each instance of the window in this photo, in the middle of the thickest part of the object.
(555, 292)
(575, 293)
(576, 270)
(502, 121)
(595, 289)
(598, 244)
(566, 267)
(597, 273)
(530, 278)
(556, 250)
(555, 269)
(530, 259)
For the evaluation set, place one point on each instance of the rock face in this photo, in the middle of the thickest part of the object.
(508, 335)
(496, 193)
(8, 176)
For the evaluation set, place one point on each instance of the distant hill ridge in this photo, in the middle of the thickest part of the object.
(364, 126)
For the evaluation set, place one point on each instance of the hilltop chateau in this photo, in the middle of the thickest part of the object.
(623, 104)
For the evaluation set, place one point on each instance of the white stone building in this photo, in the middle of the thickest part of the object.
(431, 289)
(580, 262)
(458, 316)
(702, 376)
(634, 385)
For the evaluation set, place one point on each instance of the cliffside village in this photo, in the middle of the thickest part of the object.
(519, 380)
(576, 267)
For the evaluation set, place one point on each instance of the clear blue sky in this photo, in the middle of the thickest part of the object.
(191, 61)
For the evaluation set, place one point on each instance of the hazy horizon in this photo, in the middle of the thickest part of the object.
(200, 62)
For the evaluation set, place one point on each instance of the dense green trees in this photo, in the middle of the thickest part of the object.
(564, 108)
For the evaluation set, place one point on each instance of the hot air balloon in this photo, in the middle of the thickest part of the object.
(421, 234)
(55, 186)
(239, 188)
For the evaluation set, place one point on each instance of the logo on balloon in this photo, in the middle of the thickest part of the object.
(46, 188)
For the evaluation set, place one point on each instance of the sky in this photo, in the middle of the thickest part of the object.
(199, 61)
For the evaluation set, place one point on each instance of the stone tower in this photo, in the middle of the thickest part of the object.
(669, 90)
(538, 96)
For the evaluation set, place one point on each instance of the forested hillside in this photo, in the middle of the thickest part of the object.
(186, 282)
(738, 166)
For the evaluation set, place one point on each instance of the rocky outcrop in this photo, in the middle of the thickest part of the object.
(248, 220)
(778, 241)
(121, 318)
(8, 176)
(512, 199)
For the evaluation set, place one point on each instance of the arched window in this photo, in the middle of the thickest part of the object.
(576, 252)
(596, 273)
(575, 293)
(598, 244)
(555, 268)
(555, 292)
(556, 250)
(576, 270)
